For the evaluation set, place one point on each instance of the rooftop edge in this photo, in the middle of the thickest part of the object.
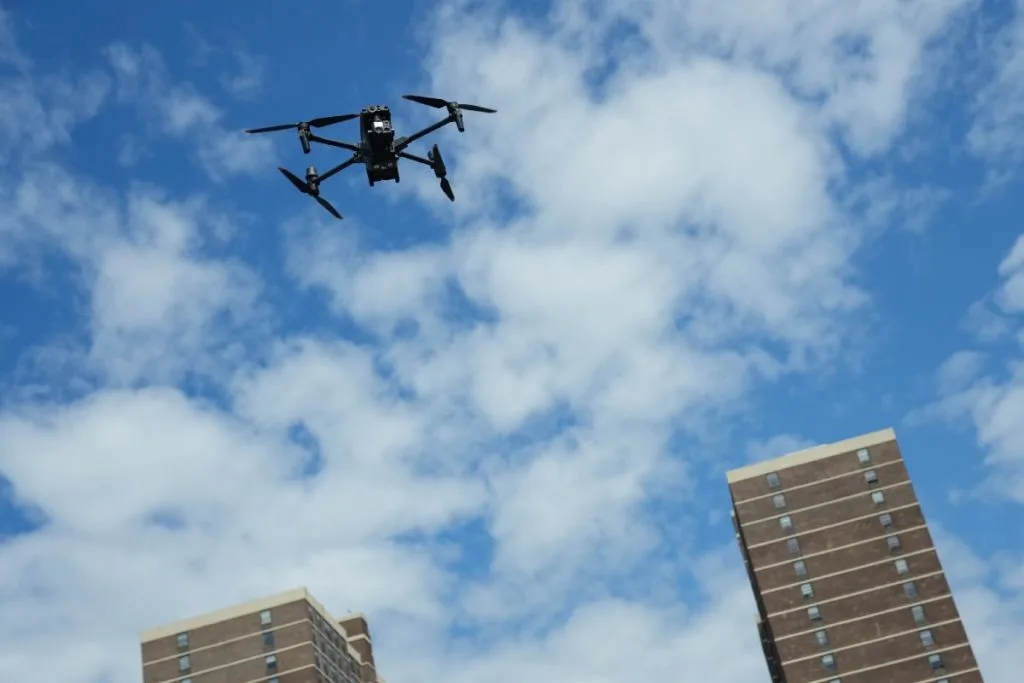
(811, 454)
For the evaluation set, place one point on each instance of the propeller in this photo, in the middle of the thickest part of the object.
(310, 187)
(446, 187)
(441, 171)
(312, 123)
(304, 126)
(455, 109)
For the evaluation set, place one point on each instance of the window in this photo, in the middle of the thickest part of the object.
(814, 613)
(271, 661)
(182, 641)
(893, 542)
(268, 640)
(871, 477)
(773, 480)
(863, 457)
(779, 500)
(185, 680)
(821, 637)
(829, 661)
(275, 679)
(265, 618)
(918, 612)
(786, 522)
(836, 680)
(800, 568)
(184, 664)
(910, 589)
(885, 519)
(807, 590)
(935, 661)
(793, 546)
(877, 497)
(901, 566)
(927, 640)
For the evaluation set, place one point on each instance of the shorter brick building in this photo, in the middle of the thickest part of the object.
(285, 638)
(848, 583)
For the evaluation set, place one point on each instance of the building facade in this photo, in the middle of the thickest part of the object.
(848, 584)
(285, 638)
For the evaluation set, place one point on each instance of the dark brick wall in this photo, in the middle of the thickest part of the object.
(870, 628)
(854, 606)
(355, 626)
(226, 630)
(822, 494)
(842, 559)
(861, 505)
(229, 642)
(850, 582)
(916, 669)
(848, 562)
(813, 472)
(235, 675)
(815, 539)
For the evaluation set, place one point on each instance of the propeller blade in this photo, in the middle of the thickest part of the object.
(331, 120)
(327, 205)
(272, 129)
(446, 187)
(438, 103)
(295, 180)
(476, 107)
(435, 102)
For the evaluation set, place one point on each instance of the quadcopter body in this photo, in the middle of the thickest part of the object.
(378, 150)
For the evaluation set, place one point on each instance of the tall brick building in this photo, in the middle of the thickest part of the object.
(848, 584)
(285, 638)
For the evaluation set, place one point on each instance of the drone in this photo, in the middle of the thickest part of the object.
(378, 150)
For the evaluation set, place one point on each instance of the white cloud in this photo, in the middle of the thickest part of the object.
(1010, 295)
(993, 617)
(177, 109)
(959, 371)
(993, 403)
(998, 125)
(777, 446)
(38, 112)
(246, 80)
(865, 63)
(680, 237)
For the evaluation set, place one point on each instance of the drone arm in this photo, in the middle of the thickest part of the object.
(418, 159)
(406, 141)
(334, 143)
(340, 167)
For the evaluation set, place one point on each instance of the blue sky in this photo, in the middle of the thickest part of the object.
(694, 235)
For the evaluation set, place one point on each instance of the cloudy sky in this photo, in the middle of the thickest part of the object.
(696, 234)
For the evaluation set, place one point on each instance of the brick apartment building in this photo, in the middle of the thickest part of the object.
(285, 638)
(848, 584)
